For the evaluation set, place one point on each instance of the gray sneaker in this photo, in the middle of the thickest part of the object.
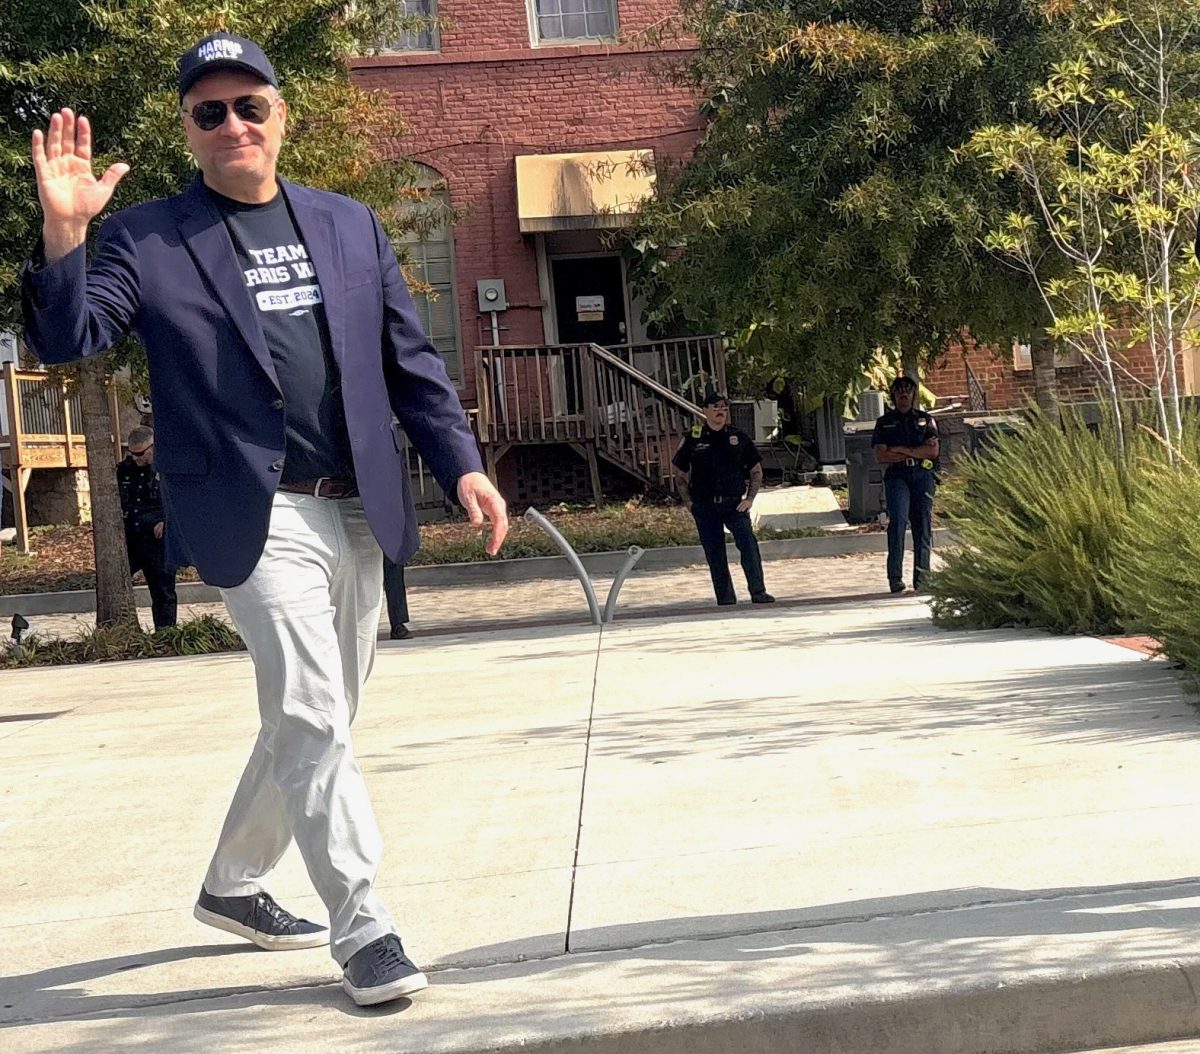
(259, 919)
(380, 972)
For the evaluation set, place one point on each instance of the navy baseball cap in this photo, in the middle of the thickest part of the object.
(712, 398)
(223, 51)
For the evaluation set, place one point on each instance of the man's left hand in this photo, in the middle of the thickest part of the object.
(482, 500)
(744, 505)
(158, 530)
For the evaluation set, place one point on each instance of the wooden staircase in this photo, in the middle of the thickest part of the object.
(623, 406)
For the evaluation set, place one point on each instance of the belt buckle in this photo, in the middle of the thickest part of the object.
(910, 462)
(319, 484)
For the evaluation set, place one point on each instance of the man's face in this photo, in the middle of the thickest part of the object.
(237, 153)
(903, 396)
(142, 454)
(716, 416)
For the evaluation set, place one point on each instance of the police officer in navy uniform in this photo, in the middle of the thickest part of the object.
(719, 472)
(906, 440)
(141, 505)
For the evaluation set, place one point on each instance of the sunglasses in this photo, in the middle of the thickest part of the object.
(211, 113)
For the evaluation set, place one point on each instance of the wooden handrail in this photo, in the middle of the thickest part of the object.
(645, 381)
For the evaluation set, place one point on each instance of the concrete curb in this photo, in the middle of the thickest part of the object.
(81, 601)
(1107, 1007)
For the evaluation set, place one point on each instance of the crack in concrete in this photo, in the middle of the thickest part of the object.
(587, 753)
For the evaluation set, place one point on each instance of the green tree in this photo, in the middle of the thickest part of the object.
(825, 214)
(1105, 229)
(115, 61)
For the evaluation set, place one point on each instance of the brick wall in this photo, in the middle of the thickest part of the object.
(1007, 387)
(486, 97)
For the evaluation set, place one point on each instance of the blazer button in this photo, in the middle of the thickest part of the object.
(277, 466)
(277, 404)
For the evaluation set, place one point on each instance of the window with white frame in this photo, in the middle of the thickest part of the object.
(575, 19)
(429, 250)
(424, 38)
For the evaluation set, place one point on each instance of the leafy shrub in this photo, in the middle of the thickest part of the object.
(1041, 519)
(200, 636)
(1156, 578)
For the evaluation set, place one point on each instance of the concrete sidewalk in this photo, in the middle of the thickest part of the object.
(819, 828)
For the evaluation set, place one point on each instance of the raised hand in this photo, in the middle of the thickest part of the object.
(69, 191)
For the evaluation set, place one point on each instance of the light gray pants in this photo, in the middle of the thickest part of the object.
(309, 614)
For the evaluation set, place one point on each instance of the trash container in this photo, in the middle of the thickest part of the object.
(864, 478)
(984, 430)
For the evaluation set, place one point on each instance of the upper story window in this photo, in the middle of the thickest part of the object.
(561, 20)
(424, 38)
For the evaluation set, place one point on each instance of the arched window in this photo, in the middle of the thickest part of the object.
(429, 249)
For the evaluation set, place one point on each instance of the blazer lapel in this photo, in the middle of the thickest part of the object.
(317, 230)
(208, 241)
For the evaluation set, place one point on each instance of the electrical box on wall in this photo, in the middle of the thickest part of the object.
(491, 295)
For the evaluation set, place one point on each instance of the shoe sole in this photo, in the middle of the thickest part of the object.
(288, 942)
(384, 993)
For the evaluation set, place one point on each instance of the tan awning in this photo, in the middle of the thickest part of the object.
(570, 192)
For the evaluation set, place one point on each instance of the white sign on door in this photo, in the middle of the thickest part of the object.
(589, 308)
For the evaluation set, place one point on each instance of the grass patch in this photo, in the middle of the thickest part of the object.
(608, 529)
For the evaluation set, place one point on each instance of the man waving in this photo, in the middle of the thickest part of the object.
(282, 342)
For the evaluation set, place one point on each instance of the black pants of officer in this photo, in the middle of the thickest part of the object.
(712, 517)
(148, 555)
(909, 496)
(395, 593)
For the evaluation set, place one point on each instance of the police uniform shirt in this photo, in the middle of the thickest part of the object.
(283, 285)
(140, 499)
(718, 462)
(913, 429)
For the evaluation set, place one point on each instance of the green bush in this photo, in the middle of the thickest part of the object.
(199, 636)
(1041, 518)
(1156, 578)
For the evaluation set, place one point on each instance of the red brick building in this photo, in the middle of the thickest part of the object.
(543, 120)
(1004, 378)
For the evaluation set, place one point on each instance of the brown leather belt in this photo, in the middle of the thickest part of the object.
(325, 487)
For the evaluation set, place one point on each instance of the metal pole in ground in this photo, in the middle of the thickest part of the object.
(636, 552)
(564, 546)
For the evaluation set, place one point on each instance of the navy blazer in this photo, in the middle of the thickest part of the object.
(167, 270)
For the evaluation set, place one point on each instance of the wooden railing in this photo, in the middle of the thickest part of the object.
(689, 366)
(639, 423)
(45, 430)
(583, 395)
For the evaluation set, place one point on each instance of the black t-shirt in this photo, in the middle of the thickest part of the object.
(283, 284)
(718, 462)
(913, 429)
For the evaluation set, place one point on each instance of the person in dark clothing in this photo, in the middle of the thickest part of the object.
(906, 440)
(397, 599)
(719, 471)
(141, 504)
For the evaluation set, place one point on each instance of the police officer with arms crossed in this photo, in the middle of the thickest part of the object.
(906, 440)
(719, 471)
